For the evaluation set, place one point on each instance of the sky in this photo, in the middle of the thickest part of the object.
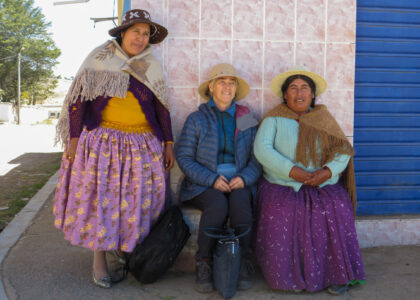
(74, 33)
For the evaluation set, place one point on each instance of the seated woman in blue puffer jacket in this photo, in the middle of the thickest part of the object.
(215, 153)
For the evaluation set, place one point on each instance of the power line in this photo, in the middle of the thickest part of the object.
(7, 57)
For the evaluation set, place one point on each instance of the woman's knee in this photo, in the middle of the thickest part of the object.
(240, 206)
(242, 197)
(214, 201)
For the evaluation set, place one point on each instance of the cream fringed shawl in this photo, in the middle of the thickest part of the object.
(318, 130)
(106, 72)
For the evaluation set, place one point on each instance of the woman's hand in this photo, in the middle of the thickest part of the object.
(236, 183)
(300, 174)
(169, 157)
(222, 184)
(319, 177)
(71, 149)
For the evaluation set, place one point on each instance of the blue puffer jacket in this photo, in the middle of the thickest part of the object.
(197, 146)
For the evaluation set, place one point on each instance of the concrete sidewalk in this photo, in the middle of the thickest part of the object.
(42, 265)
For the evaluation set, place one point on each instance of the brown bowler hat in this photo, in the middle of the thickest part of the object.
(157, 32)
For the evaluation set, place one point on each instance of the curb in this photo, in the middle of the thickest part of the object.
(13, 231)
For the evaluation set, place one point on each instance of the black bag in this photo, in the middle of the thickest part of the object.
(226, 258)
(153, 257)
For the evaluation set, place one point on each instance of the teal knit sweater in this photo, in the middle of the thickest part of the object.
(275, 149)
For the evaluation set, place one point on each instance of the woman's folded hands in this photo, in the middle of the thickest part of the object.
(313, 179)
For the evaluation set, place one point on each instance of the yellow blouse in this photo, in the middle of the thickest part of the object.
(125, 114)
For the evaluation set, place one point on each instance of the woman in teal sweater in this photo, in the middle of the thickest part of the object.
(306, 237)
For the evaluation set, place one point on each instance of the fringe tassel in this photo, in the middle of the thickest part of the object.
(350, 183)
(306, 152)
(89, 84)
(310, 139)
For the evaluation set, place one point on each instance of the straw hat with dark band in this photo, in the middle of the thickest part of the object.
(157, 32)
(277, 82)
(224, 70)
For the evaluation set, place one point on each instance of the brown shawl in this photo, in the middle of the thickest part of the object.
(319, 126)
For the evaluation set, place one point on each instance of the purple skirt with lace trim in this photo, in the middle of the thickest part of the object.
(114, 190)
(306, 240)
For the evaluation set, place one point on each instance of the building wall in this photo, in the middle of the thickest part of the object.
(261, 38)
(6, 112)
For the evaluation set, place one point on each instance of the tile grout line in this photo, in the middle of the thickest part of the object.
(231, 31)
(259, 40)
(295, 33)
(199, 49)
(325, 38)
(166, 9)
(252, 87)
(263, 64)
(165, 50)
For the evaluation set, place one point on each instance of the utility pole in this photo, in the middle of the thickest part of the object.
(18, 90)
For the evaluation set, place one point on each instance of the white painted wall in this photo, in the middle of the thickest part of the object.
(6, 112)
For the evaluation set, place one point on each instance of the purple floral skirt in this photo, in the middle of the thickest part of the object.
(306, 240)
(113, 192)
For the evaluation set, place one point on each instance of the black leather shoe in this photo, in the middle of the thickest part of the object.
(246, 275)
(203, 276)
(338, 289)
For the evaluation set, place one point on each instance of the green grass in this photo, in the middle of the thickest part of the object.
(16, 203)
(15, 196)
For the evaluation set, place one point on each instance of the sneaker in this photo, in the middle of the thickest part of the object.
(246, 274)
(338, 289)
(203, 276)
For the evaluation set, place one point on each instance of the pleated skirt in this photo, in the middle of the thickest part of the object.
(113, 192)
(306, 240)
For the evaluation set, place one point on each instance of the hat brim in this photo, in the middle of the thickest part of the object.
(156, 37)
(277, 82)
(241, 91)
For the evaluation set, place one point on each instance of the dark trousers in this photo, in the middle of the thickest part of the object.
(216, 207)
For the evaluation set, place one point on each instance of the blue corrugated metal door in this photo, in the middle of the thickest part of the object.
(387, 107)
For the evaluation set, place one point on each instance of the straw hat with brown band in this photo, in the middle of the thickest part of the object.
(224, 70)
(277, 82)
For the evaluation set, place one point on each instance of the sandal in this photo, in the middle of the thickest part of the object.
(105, 282)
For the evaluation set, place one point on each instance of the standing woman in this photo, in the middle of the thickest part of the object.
(214, 151)
(116, 123)
(306, 237)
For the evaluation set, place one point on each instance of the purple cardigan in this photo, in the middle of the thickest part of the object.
(89, 113)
